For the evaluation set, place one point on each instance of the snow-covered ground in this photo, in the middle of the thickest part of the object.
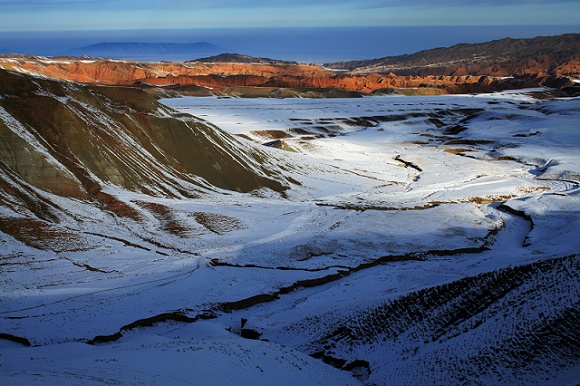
(422, 237)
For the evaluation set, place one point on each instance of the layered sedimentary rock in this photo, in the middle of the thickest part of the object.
(493, 66)
(219, 76)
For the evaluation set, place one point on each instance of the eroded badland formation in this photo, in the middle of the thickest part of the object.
(464, 68)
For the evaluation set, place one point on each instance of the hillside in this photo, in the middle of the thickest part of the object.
(505, 57)
(76, 141)
(238, 58)
(390, 239)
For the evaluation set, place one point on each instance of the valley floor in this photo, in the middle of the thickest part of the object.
(425, 240)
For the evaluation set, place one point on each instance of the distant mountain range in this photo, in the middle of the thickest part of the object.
(144, 51)
(502, 57)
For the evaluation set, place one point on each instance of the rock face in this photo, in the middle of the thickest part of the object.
(129, 72)
(218, 77)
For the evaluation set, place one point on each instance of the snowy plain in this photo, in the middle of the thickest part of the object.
(394, 197)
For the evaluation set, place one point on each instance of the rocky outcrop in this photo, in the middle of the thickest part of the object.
(115, 72)
(218, 77)
(221, 76)
(237, 58)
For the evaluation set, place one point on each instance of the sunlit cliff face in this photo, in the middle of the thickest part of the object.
(526, 63)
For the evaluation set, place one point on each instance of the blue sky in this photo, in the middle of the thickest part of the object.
(47, 15)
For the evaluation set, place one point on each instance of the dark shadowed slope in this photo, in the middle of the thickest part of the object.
(520, 325)
(72, 139)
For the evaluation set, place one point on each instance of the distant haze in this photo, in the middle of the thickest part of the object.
(316, 45)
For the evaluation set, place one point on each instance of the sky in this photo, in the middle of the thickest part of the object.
(281, 29)
(71, 15)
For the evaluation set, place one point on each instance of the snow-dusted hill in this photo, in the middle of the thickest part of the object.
(403, 240)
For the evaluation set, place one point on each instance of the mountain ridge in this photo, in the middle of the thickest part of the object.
(266, 79)
(477, 59)
(240, 58)
(129, 50)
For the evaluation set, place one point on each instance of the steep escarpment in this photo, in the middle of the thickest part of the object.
(72, 140)
(115, 72)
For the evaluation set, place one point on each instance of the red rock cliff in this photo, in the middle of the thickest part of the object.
(218, 76)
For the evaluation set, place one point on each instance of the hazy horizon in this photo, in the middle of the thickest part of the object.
(322, 44)
(302, 30)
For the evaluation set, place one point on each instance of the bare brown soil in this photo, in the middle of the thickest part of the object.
(43, 235)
